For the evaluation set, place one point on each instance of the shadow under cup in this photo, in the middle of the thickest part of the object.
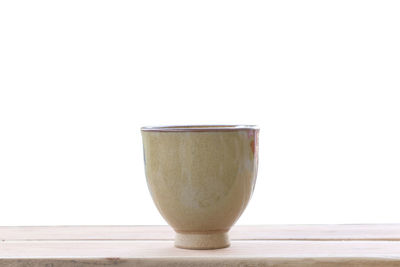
(201, 179)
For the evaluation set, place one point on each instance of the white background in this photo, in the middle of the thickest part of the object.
(79, 78)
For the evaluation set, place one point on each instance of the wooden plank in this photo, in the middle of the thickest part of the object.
(241, 253)
(272, 245)
(204, 262)
(161, 249)
(259, 232)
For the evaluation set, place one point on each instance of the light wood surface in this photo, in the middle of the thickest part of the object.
(272, 245)
(257, 232)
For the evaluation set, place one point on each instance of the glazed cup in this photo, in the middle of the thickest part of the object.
(201, 179)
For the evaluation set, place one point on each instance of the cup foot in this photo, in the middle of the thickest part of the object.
(202, 240)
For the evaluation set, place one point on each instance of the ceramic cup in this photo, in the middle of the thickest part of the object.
(201, 179)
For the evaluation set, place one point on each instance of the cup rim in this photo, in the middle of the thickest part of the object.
(199, 128)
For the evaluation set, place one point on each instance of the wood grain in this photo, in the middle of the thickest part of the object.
(272, 245)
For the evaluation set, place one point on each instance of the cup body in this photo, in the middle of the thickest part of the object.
(201, 179)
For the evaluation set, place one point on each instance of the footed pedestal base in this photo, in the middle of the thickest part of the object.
(202, 241)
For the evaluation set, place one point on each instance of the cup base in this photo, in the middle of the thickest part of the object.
(202, 240)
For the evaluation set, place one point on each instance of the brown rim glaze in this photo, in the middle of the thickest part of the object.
(199, 128)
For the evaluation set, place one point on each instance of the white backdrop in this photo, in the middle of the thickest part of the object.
(79, 78)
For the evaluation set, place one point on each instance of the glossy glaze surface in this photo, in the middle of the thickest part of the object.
(201, 181)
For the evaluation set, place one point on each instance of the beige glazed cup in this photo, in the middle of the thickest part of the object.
(201, 179)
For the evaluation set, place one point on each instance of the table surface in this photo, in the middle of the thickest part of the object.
(263, 245)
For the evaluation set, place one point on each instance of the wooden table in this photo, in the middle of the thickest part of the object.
(269, 245)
